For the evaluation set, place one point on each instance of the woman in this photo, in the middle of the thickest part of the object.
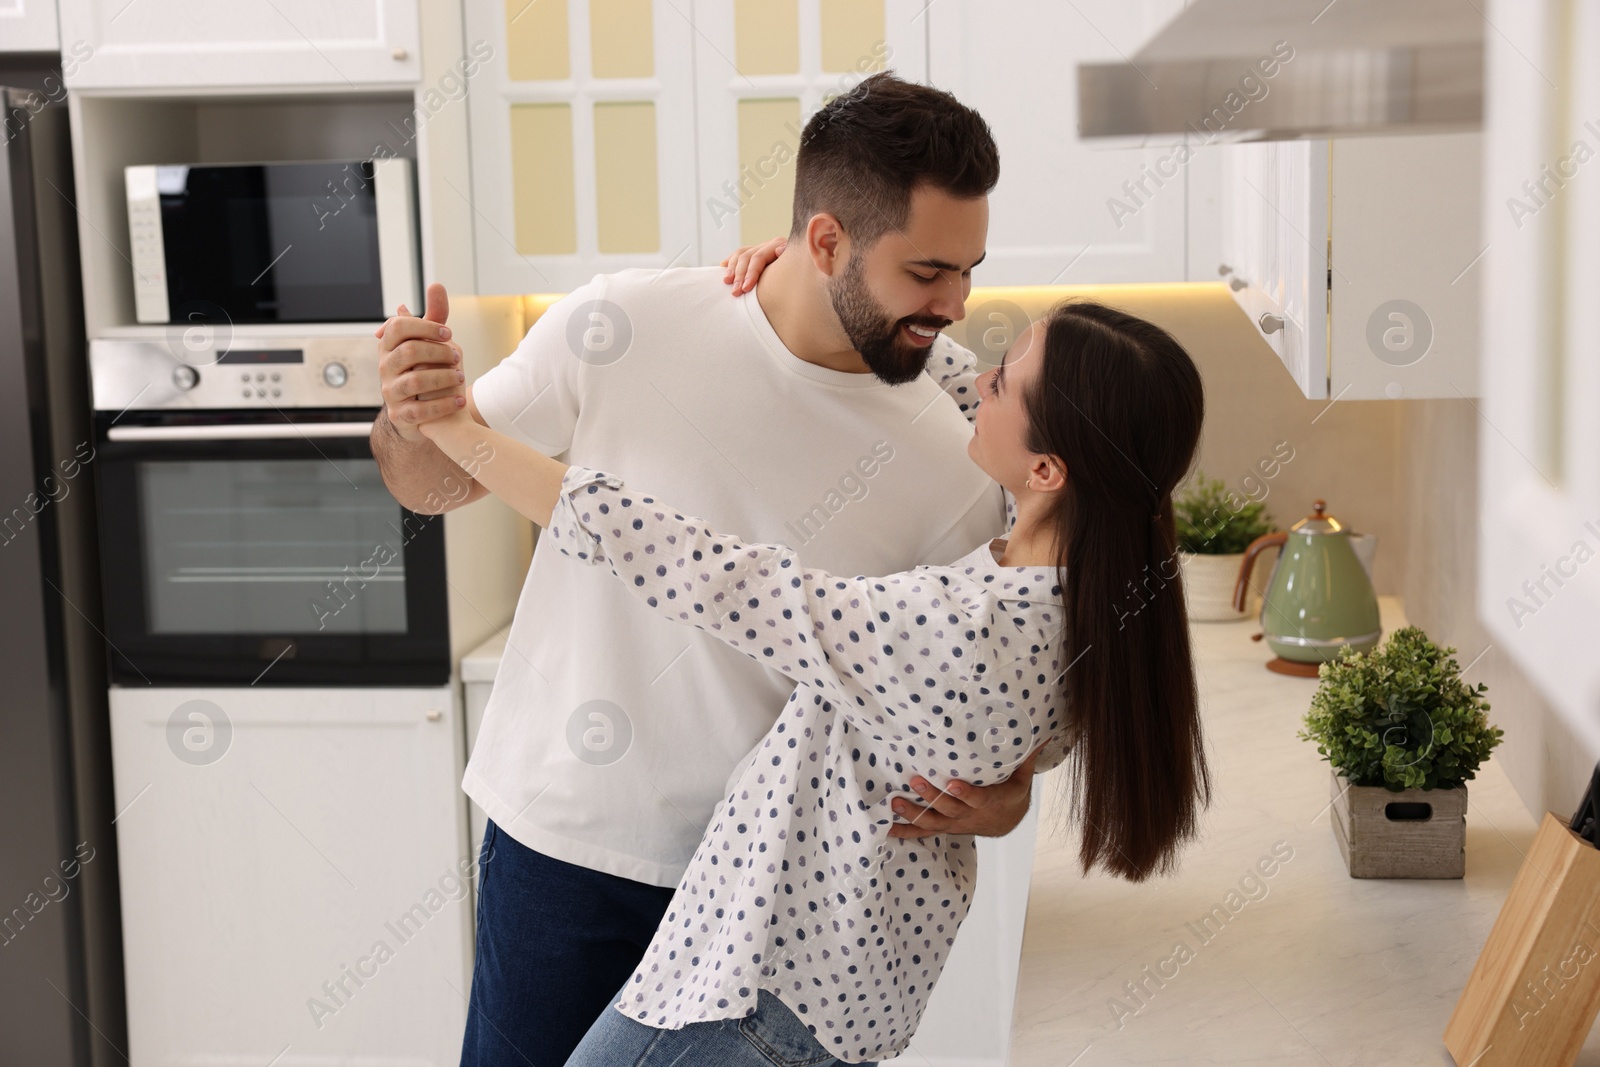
(801, 932)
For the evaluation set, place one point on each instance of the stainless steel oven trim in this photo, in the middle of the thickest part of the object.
(251, 431)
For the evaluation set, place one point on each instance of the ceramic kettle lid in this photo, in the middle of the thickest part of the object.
(1318, 522)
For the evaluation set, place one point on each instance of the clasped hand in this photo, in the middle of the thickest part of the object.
(420, 372)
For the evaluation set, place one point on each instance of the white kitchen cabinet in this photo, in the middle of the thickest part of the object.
(478, 668)
(191, 43)
(1539, 441)
(296, 886)
(583, 132)
(652, 133)
(28, 26)
(714, 107)
(1359, 260)
(1065, 211)
(1274, 249)
(967, 1022)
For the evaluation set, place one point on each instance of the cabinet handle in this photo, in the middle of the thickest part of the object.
(433, 714)
(1236, 283)
(1271, 323)
(1224, 270)
(399, 54)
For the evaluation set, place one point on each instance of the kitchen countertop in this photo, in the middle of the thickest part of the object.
(481, 663)
(1319, 969)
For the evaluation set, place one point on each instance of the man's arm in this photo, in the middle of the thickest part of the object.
(419, 369)
(419, 476)
(964, 808)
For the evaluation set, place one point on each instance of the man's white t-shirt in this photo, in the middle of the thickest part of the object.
(610, 731)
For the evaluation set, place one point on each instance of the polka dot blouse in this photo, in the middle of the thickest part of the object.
(796, 888)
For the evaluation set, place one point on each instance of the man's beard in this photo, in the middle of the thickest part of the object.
(890, 357)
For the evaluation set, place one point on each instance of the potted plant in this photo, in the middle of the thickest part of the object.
(1403, 734)
(1214, 527)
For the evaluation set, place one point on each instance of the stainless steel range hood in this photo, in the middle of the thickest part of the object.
(1285, 69)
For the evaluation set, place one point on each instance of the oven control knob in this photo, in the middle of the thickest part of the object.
(335, 374)
(185, 377)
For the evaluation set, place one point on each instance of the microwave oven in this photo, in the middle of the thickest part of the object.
(273, 242)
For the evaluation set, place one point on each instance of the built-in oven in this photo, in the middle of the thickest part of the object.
(256, 543)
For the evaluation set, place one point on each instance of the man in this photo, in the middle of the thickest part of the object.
(800, 413)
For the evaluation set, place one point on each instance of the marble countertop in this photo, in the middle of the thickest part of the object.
(1316, 967)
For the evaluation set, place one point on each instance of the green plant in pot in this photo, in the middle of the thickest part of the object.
(1214, 526)
(1403, 733)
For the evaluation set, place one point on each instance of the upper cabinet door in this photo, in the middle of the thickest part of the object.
(1275, 250)
(28, 26)
(1404, 279)
(763, 68)
(1065, 211)
(1539, 444)
(167, 43)
(583, 132)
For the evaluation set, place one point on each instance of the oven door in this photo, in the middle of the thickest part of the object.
(242, 551)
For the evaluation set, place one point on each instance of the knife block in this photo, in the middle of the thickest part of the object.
(1535, 989)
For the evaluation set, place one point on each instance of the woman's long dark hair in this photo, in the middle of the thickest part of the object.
(1120, 403)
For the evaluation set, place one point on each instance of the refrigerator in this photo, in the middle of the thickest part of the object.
(61, 984)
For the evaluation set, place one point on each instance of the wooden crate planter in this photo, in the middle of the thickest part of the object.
(1380, 837)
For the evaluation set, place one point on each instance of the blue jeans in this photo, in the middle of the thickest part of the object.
(771, 1037)
(555, 941)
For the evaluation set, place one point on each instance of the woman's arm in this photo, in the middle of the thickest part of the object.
(900, 657)
(895, 655)
(527, 480)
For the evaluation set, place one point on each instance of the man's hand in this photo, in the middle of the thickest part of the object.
(988, 811)
(419, 367)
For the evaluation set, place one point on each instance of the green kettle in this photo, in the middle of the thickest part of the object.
(1319, 600)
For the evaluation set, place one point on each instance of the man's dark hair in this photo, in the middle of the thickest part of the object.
(864, 152)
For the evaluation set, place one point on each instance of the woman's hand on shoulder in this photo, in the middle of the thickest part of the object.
(746, 264)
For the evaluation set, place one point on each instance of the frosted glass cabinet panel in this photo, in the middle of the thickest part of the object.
(628, 216)
(541, 175)
(766, 139)
(583, 129)
(766, 36)
(622, 41)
